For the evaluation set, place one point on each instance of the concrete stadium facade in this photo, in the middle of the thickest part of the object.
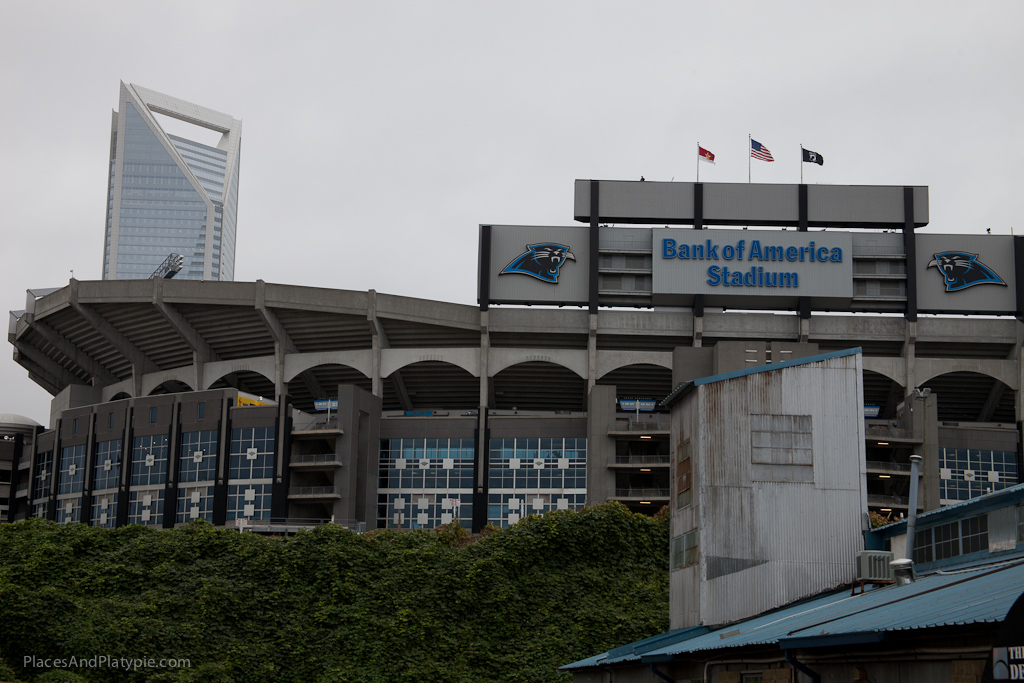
(529, 401)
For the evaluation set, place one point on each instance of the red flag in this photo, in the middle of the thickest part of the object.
(705, 155)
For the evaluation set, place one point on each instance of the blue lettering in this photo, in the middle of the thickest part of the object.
(811, 249)
(668, 248)
(684, 251)
(773, 253)
(698, 251)
(822, 253)
(791, 253)
(737, 279)
(755, 250)
(739, 250)
(713, 277)
(712, 251)
(788, 278)
(750, 279)
(728, 252)
(836, 256)
(803, 250)
(725, 277)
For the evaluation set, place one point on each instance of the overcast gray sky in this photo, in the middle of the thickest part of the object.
(378, 135)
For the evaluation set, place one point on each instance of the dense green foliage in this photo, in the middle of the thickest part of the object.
(332, 605)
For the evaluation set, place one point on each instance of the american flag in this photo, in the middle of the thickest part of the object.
(759, 151)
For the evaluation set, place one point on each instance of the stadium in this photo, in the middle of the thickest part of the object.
(279, 406)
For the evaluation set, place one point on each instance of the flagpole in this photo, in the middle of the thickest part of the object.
(698, 161)
(801, 163)
(748, 157)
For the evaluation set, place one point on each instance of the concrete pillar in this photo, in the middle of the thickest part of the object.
(592, 354)
(485, 347)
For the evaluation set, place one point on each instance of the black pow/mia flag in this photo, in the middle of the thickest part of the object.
(813, 158)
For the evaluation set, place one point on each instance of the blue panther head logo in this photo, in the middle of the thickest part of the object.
(961, 270)
(541, 261)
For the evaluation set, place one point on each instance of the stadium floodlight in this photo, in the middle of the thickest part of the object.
(170, 267)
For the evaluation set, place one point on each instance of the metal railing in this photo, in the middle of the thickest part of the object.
(642, 459)
(286, 525)
(887, 429)
(641, 493)
(310, 458)
(644, 423)
(881, 499)
(318, 425)
(314, 491)
(900, 467)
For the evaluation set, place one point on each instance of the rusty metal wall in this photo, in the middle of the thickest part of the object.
(771, 530)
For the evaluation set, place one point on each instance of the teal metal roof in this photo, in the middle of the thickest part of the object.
(982, 594)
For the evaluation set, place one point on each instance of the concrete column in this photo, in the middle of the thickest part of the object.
(592, 355)
(485, 347)
(909, 346)
(279, 387)
(698, 330)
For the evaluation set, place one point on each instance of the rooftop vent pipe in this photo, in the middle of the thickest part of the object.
(904, 568)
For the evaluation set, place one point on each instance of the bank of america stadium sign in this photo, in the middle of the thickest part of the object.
(752, 262)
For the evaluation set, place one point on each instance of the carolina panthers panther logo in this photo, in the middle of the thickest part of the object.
(541, 261)
(962, 270)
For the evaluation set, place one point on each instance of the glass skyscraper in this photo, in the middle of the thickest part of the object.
(168, 194)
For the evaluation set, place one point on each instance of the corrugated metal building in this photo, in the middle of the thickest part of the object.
(769, 502)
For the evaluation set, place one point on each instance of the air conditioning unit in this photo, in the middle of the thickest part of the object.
(873, 565)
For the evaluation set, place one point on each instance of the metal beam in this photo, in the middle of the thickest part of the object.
(377, 331)
(992, 402)
(47, 365)
(182, 326)
(76, 355)
(108, 332)
(281, 337)
(38, 375)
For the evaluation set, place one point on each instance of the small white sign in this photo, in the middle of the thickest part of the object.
(241, 522)
(249, 510)
(197, 456)
(513, 463)
(968, 475)
(195, 497)
(147, 499)
(563, 503)
(424, 463)
(146, 514)
(150, 459)
(107, 465)
(251, 453)
(72, 468)
(448, 464)
(193, 512)
(250, 494)
(538, 463)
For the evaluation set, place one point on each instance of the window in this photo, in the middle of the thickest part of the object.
(72, 469)
(947, 540)
(149, 460)
(146, 507)
(684, 475)
(252, 453)
(43, 476)
(974, 534)
(74, 426)
(198, 457)
(423, 483)
(107, 467)
(684, 549)
(110, 420)
(152, 415)
(952, 539)
(201, 410)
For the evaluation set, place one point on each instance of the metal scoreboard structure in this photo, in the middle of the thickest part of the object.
(752, 246)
